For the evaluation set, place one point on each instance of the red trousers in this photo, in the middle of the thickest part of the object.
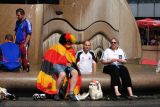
(24, 55)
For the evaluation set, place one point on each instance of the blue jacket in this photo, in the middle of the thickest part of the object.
(10, 56)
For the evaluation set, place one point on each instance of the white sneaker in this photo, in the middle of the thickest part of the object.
(36, 96)
(77, 97)
(82, 97)
(42, 96)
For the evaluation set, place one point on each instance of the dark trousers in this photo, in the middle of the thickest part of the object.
(119, 76)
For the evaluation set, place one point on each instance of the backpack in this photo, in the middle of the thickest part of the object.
(95, 90)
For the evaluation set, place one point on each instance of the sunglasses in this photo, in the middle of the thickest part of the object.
(69, 42)
(113, 42)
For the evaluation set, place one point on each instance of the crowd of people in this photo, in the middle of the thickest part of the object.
(153, 38)
(62, 67)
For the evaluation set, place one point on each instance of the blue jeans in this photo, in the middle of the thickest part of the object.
(57, 68)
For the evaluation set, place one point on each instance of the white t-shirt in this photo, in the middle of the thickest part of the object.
(109, 54)
(84, 61)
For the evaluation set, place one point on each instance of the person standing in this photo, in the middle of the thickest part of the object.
(86, 60)
(113, 59)
(23, 31)
(9, 55)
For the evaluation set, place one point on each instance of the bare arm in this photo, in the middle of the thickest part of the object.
(14, 38)
(108, 61)
(27, 39)
(122, 60)
(94, 67)
(113, 60)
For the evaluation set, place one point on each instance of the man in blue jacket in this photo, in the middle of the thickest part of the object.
(23, 31)
(9, 55)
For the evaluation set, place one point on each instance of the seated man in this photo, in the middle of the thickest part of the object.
(9, 55)
(86, 60)
(59, 75)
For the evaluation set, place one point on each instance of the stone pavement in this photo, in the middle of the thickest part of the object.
(146, 98)
(28, 102)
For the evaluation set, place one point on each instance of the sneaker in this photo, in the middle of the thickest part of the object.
(36, 96)
(72, 97)
(28, 68)
(132, 97)
(57, 97)
(82, 97)
(78, 97)
(42, 96)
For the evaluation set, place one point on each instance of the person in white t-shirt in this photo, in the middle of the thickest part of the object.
(86, 59)
(113, 59)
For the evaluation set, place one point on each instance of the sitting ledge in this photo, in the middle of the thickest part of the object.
(143, 77)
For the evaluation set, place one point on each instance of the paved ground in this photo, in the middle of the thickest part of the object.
(148, 102)
(145, 99)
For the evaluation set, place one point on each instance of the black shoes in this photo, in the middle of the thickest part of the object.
(57, 97)
(118, 98)
(72, 97)
(28, 68)
(11, 97)
(132, 97)
(125, 97)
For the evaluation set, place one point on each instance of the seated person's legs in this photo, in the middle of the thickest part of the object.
(60, 71)
(115, 80)
(126, 80)
(6, 68)
(74, 76)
